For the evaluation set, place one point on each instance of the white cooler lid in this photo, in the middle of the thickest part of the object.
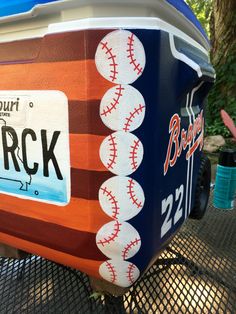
(174, 12)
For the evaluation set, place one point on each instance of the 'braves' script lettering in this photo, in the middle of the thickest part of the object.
(181, 139)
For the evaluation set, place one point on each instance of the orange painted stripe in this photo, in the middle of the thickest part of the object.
(84, 151)
(74, 242)
(79, 80)
(79, 214)
(88, 266)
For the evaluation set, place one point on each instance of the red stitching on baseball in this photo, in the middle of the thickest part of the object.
(132, 194)
(113, 152)
(113, 201)
(112, 236)
(131, 56)
(130, 273)
(133, 154)
(115, 102)
(112, 271)
(129, 246)
(129, 120)
(113, 63)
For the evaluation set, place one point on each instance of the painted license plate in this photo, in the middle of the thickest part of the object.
(34, 145)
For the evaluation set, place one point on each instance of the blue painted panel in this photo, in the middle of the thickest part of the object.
(182, 7)
(12, 7)
(166, 84)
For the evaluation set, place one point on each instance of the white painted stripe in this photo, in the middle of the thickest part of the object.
(189, 161)
(182, 57)
(187, 178)
(192, 157)
(152, 23)
(196, 110)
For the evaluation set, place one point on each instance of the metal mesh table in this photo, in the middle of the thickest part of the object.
(195, 274)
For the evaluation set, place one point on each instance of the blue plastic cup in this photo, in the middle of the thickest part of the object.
(225, 185)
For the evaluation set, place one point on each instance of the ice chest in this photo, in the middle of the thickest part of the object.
(102, 124)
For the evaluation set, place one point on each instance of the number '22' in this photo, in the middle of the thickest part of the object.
(166, 207)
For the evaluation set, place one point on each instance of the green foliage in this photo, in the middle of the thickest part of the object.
(202, 9)
(96, 295)
(217, 128)
(223, 94)
(230, 143)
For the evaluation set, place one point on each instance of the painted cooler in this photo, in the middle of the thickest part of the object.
(102, 124)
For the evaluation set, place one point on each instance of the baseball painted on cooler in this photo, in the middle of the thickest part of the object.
(118, 240)
(121, 153)
(121, 198)
(119, 272)
(122, 108)
(120, 57)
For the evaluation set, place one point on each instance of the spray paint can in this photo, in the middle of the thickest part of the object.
(225, 185)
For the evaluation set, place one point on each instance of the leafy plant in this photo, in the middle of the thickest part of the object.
(216, 128)
(202, 10)
(223, 94)
(96, 295)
